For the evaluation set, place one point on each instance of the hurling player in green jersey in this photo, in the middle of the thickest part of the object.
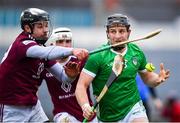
(122, 102)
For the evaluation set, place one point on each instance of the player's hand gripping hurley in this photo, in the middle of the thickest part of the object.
(117, 68)
(150, 35)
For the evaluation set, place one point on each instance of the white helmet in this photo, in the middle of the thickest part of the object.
(61, 33)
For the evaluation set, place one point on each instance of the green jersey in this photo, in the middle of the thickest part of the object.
(123, 93)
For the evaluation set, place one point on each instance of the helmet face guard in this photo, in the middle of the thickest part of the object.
(47, 26)
(31, 16)
(117, 19)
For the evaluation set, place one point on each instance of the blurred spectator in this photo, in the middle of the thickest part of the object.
(171, 110)
(145, 93)
(111, 5)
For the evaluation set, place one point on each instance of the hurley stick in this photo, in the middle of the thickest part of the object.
(117, 68)
(150, 35)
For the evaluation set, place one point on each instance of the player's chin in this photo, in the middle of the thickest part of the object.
(118, 41)
(45, 38)
(117, 48)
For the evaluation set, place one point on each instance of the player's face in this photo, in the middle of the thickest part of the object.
(117, 34)
(41, 29)
(64, 43)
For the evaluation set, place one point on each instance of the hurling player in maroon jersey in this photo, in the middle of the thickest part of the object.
(23, 63)
(66, 107)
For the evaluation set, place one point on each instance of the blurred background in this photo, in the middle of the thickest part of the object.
(87, 18)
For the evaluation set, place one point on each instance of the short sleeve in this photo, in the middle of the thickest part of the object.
(93, 63)
(143, 61)
(23, 46)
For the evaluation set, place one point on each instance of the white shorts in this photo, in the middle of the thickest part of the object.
(12, 113)
(64, 117)
(138, 111)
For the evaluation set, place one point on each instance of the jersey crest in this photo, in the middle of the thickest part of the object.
(110, 64)
(134, 61)
(39, 71)
(66, 87)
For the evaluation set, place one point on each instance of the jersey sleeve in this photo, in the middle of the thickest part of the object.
(143, 61)
(23, 46)
(92, 64)
(50, 63)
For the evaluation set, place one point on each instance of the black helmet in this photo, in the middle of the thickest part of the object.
(117, 19)
(32, 15)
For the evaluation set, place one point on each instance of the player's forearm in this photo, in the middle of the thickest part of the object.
(81, 88)
(58, 71)
(81, 95)
(49, 53)
(151, 79)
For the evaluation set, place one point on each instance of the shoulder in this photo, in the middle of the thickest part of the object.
(134, 48)
(25, 39)
(27, 42)
(100, 54)
(23, 43)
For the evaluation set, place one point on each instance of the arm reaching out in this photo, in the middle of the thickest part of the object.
(153, 79)
(55, 52)
(80, 53)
